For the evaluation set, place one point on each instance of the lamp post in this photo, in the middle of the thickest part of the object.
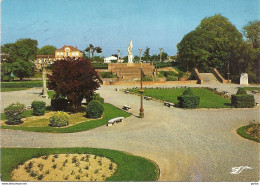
(141, 91)
(160, 54)
(118, 54)
(44, 91)
(140, 53)
(228, 73)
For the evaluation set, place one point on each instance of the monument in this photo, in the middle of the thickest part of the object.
(130, 52)
(244, 79)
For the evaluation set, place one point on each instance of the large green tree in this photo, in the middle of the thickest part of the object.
(19, 60)
(252, 33)
(47, 50)
(146, 56)
(216, 43)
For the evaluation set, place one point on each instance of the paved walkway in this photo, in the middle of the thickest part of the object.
(188, 145)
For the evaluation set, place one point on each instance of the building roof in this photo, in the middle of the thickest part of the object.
(71, 48)
(111, 58)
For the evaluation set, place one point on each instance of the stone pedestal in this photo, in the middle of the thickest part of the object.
(244, 79)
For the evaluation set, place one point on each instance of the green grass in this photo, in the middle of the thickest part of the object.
(208, 99)
(252, 88)
(109, 113)
(12, 89)
(242, 132)
(129, 167)
(51, 94)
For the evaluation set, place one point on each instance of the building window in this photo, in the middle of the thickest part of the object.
(61, 53)
(58, 53)
(72, 53)
(77, 53)
(67, 54)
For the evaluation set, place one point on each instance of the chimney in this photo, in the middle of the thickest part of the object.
(76, 47)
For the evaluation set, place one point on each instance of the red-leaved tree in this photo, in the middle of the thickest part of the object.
(74, 79)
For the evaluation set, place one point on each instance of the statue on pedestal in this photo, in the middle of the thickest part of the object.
(130, 53)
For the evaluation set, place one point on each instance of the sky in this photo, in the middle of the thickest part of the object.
(111, 24)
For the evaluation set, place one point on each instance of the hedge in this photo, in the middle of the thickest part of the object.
(100, 65)
(243, 100)
(26, 84)
(188, 101)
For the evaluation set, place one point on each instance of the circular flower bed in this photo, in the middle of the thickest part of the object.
(65, 167)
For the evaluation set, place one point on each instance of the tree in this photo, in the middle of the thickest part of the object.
(211, 45)
(252, 32)
(91, 49)
(20, 54)
(164, 56)
(74, 79)
(47, 50)
(146, 56)
(155, 58)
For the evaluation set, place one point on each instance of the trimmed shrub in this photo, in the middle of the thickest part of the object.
(188, 101)
(96, 96)
(171, 78)
(188, 91)
(107, 75)
(242, 100)
(59, 119)
(38, 108)
(14, 113)
(59, 104)
(147, 78)
(241, 91)
(94, 109)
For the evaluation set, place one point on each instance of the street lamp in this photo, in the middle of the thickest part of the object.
(228, 73)
(141, 91)
(44, 91)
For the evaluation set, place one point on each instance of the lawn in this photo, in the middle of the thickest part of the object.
(129, 167)
(242, 131)
(252, 88)
(12, 89)
(208, 99)
(109, 113)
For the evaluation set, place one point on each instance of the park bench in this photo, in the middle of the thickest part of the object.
(28, 107)
(254, 91)
(225, 92)
(126, 107)
(147, 98)
(168, 104)
(126, 92)
(114, 120)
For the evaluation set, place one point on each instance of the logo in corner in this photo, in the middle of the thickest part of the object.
(238, 170)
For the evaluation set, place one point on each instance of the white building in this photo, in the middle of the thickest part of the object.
(109, 59)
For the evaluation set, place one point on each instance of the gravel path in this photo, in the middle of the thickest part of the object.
(25, 97)
(188, 145)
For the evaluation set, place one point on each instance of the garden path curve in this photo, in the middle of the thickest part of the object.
(188, 145)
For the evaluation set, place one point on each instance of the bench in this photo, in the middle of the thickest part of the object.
(168, 104)
(126, 107)
(254, 91)
(114, 120)
(126, 92)
(225, 92)
(147, 98)
(256, 104)
(116, 89)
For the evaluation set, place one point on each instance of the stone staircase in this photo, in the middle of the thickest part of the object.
(209, 78)
(130, 73)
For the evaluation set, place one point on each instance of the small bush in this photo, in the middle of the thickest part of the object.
(171, 78)
(94, 109)
(188, 91)
(59, 119)
(96, 96)
(242, 100)
(59, 104)
(189, 102)
(107, 75)
(241, 91)
(168, 73)
(147, 78)
(38, 108)
(14, 113)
